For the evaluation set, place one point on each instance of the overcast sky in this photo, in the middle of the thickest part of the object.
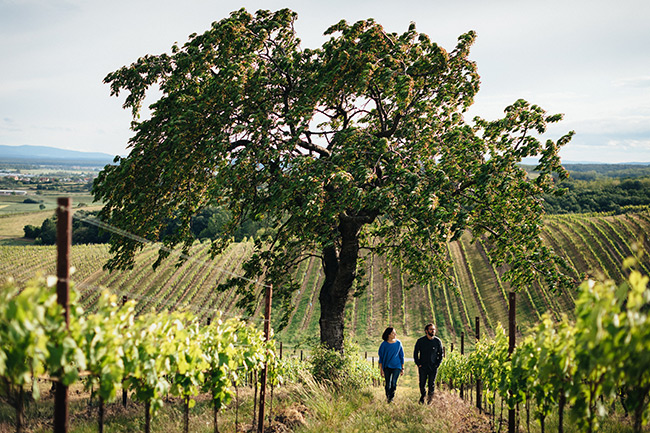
(588, 59)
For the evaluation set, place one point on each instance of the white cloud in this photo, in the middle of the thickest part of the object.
(586, 59)
(635, 82)
(630, 145)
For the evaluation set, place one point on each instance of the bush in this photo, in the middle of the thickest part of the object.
(346, 370)
(48, 232)
(31, 232)
(291, 370)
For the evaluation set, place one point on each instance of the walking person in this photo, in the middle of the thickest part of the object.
(428, 354)
(391, 361)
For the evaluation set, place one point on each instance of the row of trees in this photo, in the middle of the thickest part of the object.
(583, 366)
(209, 223)
(590, 172)
(600, 195)
(82, 233)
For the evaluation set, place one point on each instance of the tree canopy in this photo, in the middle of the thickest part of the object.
(359, 144)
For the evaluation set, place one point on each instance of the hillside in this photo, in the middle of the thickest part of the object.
(594, 244)
(52, 155)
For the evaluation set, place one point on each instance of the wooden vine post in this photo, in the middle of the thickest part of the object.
(125, 393)
(478, 379)
(267, 332)
(512, 327)
(462, 352)
(63, 242)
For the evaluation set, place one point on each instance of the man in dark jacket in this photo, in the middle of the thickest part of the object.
(428, 354)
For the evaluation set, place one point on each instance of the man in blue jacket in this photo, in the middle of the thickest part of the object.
(428, 354)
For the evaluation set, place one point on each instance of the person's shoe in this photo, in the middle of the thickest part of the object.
(421, 400)
(429, 398)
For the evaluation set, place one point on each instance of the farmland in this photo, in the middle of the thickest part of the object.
(595, 244)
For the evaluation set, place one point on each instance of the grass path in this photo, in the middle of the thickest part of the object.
(447, 413)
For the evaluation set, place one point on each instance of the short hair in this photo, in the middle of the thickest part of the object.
(387, 332)
(427, 326)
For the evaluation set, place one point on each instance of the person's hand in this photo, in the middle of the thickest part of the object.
(402, 373)
(382, 373)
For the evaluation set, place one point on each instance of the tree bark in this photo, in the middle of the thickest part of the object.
(562, 403)
(20, 410)
(254, 380)
(186, 414)
(101, 415)
(340, 268)
(215, 413)
(147, 417)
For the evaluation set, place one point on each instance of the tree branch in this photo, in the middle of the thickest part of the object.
(314, 148)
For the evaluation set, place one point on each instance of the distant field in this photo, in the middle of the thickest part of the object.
(595, 244)
(12, 223)
(58, 172)
(14, 204)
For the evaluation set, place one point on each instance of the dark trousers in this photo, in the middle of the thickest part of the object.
(427, 375)
(391, 375)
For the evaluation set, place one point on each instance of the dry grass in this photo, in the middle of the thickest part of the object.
(367, 411)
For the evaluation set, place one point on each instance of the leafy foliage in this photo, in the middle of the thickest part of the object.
(152, 354)
(358, 144)
(343, 370)
(586, 364)
(602, 194)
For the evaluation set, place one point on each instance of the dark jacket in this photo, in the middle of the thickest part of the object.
(428, 353)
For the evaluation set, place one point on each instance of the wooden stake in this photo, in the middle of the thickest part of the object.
(125, 393)
(512, 327)
(478, 379)
(462, 352)
(63, 242)
(267, 332)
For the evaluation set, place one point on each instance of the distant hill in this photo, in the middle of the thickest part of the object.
(52, 155)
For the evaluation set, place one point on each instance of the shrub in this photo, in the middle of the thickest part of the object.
(31, 232)
(291, 370)
(343, 370)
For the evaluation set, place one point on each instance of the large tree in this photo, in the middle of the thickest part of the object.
(358, 144)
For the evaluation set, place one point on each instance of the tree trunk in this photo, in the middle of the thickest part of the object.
(638, 417)
(340, 268)
(186, 414)
(101, 415)
(20, 410)
(562, 403)
(147, 417)
(215, 413)
(254, 380)
(236, 408)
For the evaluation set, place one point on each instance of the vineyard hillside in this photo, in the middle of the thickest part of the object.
(595, 244)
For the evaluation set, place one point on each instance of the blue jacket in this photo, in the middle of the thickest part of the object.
(391, 355)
